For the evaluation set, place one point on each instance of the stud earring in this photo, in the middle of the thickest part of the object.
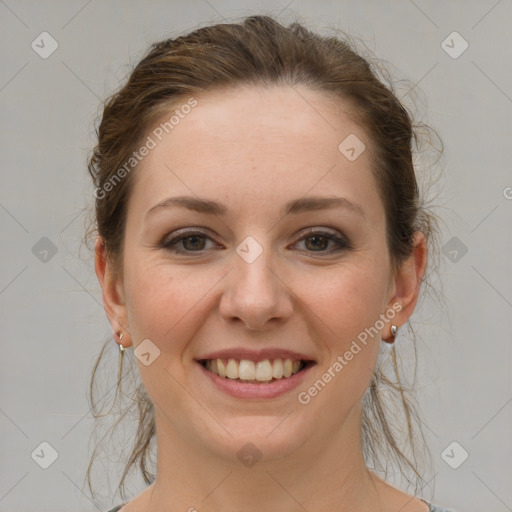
(119, 334)
(394, 330)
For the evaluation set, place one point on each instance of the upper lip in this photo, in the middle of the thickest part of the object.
(255, 355)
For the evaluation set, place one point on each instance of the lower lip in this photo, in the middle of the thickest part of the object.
(240, 389)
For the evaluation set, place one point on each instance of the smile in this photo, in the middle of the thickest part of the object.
(266, 370)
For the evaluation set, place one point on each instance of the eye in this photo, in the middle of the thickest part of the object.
(193, 241)
(320, 239)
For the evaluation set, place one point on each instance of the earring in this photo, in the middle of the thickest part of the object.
(120, 336)
(394, 330)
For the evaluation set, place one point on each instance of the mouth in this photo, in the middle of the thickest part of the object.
(264, 371)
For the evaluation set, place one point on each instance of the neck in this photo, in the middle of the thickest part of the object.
(327, 475)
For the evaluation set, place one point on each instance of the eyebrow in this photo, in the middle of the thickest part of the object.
(304, 204)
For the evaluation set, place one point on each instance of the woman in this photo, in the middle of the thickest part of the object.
(260, 235)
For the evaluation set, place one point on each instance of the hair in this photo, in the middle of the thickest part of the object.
(259, 51)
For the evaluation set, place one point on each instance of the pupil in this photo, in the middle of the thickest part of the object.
(193, 246)
(318, 238)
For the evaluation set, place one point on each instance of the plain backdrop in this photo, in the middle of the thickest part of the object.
(52, 320)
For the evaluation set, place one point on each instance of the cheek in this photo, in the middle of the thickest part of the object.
(149, 297)
(346, 305)
(347, 300)
(166, 302)
(163, 300)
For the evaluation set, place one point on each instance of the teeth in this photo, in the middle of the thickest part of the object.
(221, 367)
(277, 369)
(288, 367)
(246, 370)
(232, 369)
(263, 371)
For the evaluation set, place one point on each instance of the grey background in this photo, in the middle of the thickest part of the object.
(52, 320)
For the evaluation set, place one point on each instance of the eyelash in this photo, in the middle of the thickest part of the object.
(343, 243)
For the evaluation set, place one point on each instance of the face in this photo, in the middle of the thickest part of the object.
(252, 280)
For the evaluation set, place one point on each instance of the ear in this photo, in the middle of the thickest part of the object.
(112, 291)
(406, 283)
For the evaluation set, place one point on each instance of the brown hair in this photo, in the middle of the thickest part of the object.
(261, 51)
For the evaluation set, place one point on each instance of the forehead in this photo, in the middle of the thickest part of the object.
(256, 144)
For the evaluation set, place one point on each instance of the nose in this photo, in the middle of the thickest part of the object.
(256, 294)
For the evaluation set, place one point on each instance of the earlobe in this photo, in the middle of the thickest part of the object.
(112, 291)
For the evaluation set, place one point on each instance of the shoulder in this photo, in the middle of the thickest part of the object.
(397, 499)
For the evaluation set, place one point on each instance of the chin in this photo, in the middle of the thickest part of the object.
(258, 438)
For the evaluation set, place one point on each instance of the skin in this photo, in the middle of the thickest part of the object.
(241, 149)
